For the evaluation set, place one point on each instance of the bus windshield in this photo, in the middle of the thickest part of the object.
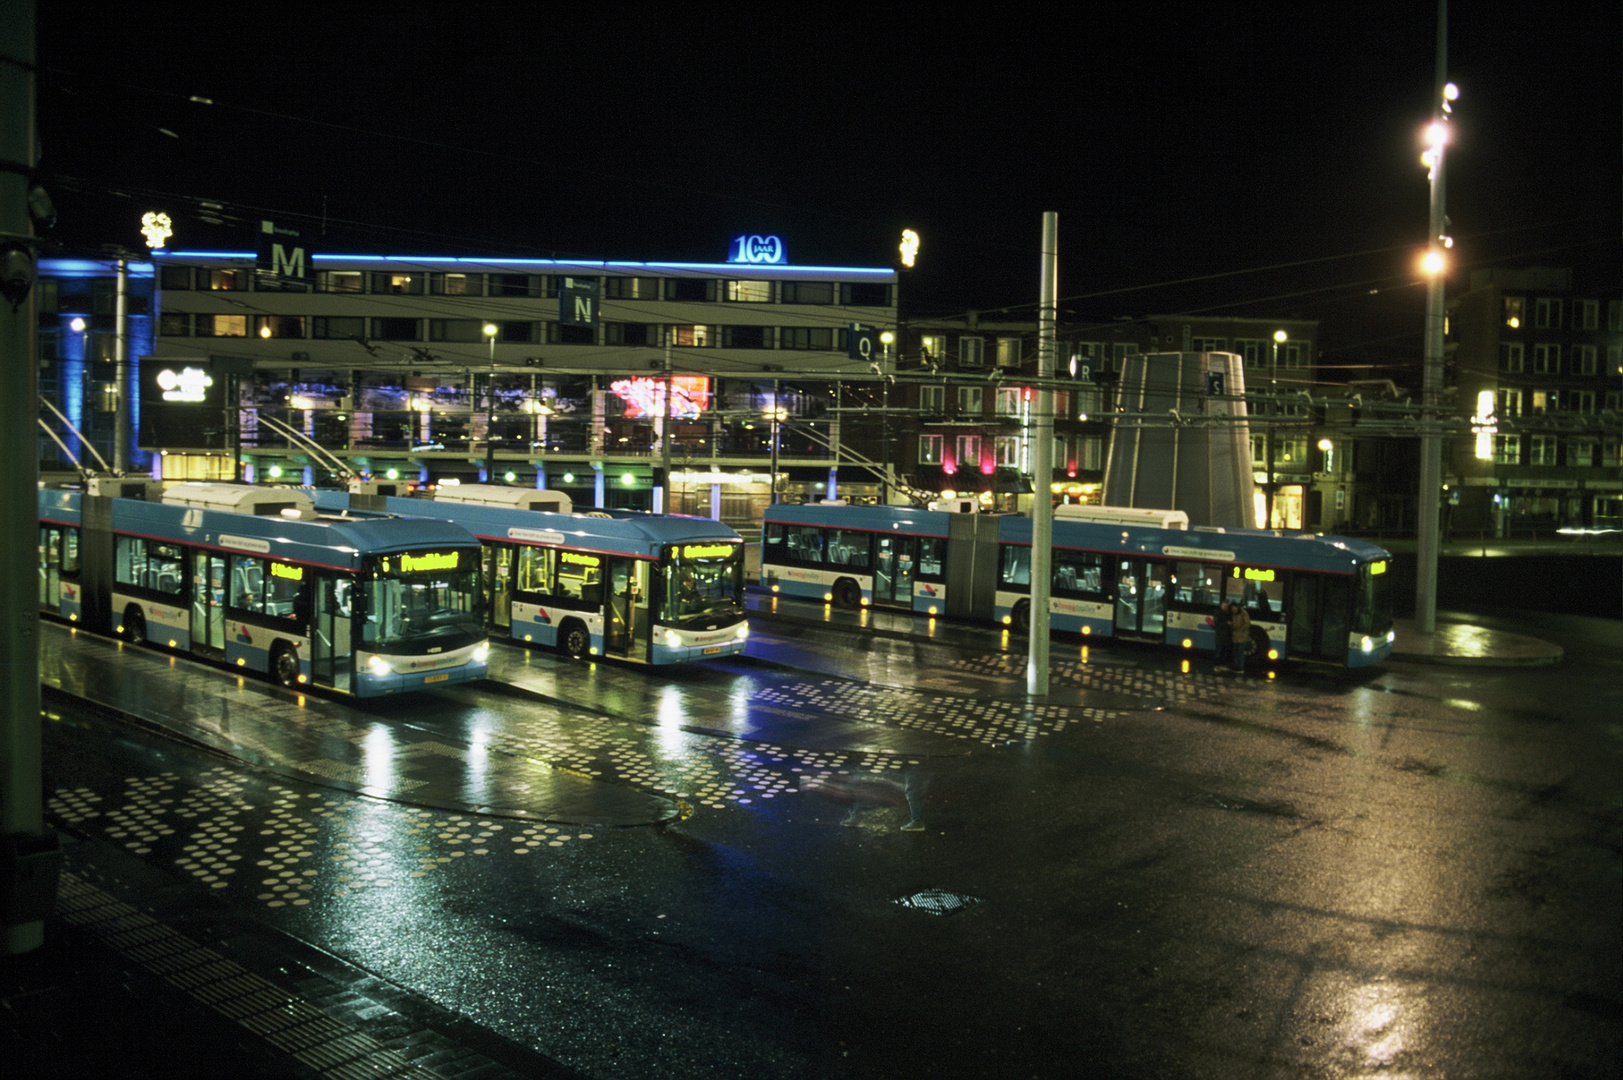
(1372, 610)
(704, 581)
(421, 603)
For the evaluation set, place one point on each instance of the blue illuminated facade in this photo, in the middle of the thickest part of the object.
(77, 305)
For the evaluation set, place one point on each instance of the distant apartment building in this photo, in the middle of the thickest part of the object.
(1538, 363)
(970, 381)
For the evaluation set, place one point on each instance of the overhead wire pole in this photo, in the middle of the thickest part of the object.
(1431, 447)
(28, 859)
(1042, 461)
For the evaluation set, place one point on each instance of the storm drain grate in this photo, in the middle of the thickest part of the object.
(938, 901)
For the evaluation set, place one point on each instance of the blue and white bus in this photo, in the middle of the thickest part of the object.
(645, 588)
(255, 578)
(1134, 574)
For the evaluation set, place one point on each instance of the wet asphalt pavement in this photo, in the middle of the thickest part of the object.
(861, 855)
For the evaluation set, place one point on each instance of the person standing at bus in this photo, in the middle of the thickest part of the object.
(1223, 629)
(1240, 634)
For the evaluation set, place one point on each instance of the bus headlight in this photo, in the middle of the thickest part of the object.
(743, 630)
(673, 640)
(1391, 636)
(481, 652)
(377, 665)
(1366, 644)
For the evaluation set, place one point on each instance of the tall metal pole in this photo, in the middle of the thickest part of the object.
(1042, 461)
(22, 811)
(121, 359)
(665, 438)
(1431, 447)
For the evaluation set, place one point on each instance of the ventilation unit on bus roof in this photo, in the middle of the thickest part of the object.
(242, 499)
(1124, 515)
(552, 502)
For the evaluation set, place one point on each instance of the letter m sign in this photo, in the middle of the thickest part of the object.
(281, 255)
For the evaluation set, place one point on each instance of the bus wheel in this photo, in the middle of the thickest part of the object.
(847, 594)
(135, 626)
(285, 666)
(1021, 618)
(1257, 651)
(574, 641)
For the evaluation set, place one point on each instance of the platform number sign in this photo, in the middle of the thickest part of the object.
(577, 301)
(862, 344)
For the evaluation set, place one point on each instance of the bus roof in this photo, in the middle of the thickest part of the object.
(1303, 551)
(622, 533)
(341, 544)
(897, 519)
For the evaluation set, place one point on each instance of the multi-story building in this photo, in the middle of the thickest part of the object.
(1538, 365)
(455, 369)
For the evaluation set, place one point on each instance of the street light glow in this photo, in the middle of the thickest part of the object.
(1433, 262)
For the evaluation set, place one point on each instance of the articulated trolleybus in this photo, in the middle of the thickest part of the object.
(255, 578)
(648, 588)
(1135, 574)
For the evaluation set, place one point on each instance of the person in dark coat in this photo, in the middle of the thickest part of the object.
(1223, 628)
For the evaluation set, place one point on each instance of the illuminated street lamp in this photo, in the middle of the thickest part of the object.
(1280, 337)
(778, 415)
(490, 406)
(1434, 265)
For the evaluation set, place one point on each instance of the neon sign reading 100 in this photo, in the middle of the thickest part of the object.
(754, 248)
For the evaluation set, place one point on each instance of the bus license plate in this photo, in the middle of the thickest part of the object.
(712, 650)
(437, 678)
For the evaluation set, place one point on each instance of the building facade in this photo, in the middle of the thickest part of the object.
(704, 388)
(1538, 364)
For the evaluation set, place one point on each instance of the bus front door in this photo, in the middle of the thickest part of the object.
(330, 646)
(626, 623)
(1141, 598)
(1319, 616)
(208, 603)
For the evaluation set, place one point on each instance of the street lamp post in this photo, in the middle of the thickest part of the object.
(490, 407)
(778, 416)
(886, 340)
(1280, 337)
(1434, 264)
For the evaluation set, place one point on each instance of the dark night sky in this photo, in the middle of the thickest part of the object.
(1175, 143)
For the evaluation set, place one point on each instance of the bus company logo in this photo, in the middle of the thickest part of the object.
(244, 543)
(928, 589)
(1198, 553)
(535, 536)
(243, 636)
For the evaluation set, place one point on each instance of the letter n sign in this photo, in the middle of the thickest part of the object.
(577, 301)
(281, 254)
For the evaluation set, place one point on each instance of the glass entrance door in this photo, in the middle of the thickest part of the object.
(1141, 598)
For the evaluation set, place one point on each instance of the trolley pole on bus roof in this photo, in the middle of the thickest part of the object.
(1042, 461)
(29, 855)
